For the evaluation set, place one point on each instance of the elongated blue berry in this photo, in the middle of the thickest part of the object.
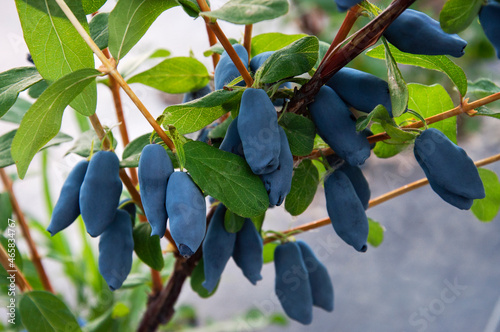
(217, 249)
(232, 141)
(345, 210)
(451, 172)
(247, 252)
(100, 192)
(292, 284)
(259, 133)
(226, 71)
(155, 167)
(358, 181)
(319, 278)
(361, 90)
(344, 5)
(129, 206)
(67, 208)
(279, 182)
(186, 209)
(116, 246)
(417, 33)
(489, 17)
(193, 95)
(337, 128)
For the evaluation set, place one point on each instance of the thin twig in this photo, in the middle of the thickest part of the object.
(212, 40)
(12, 268)
(110, 69)
(377, 201)
(247, 40)
(35, 257)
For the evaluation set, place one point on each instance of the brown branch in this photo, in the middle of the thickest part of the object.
(377, 201)
(35, 257)
(365, 38)
(247, 40)
(12, 268)
(160, 308)
(214, 26)
(212, 39)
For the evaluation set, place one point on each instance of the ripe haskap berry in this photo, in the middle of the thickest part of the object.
(361, 90)
(217, 249)
(489, 17)
(417, 33)
(450, 171)
(344, 5)
(155, 167)
(232, 141)
(259, 133)
(116, 246)
(193, 95)
(358, 181)
(186, 210)
(100, 192)
(345, 210)
(337, 128)
(292, 285)
(226, 71)
(279, 182)
(321, 284)
(247, 253)
(67, 208)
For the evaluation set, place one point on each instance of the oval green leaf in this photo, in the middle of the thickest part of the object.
(148, 247)
(249, 11)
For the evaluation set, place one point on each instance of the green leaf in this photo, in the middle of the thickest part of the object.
(5, 211)
(43, 120)
(300, 132)
(323, 48)
(43, 312)
(221, 129)
(486, 209)
(14, 81)
(484, 111)
(233, 222)
(272, 41)
(292, 60)
(175, 75)
(226, 177)
(132, 152)
(258, 221)
(196, 114)
(397, 84)
(482, 88)
(99, 30)
(249, 11)
(91, 6)
(385, 149)
(6, 143)
(197, 278)
(305, 182)
(268, 252)
(85, 142)
(379, 115)
(375, 233)
(16, 112)
(148, 247)
(398, 135)
(179, 142)
(457, 15)
(129, 21)
(37, 89)
(434, 62)
(56, 47)
(190, 7)
(218, 48)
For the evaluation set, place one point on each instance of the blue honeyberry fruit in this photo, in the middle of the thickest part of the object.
(451, 172)
(417, 33)
(259, 131)
(100, 192)
(344, 5)
(247, 253)
(358, 181)
(292, 285)
(279, 182)
(489, 17)
(346, 211)
(193, 95)
(155, 167)
(232, 141)
(129, 206)
(226, 71)
(116, 246)
(361, 90)
(319, 278)
(217, 249)
(337, 128)
(67, 208)
(186, 208)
